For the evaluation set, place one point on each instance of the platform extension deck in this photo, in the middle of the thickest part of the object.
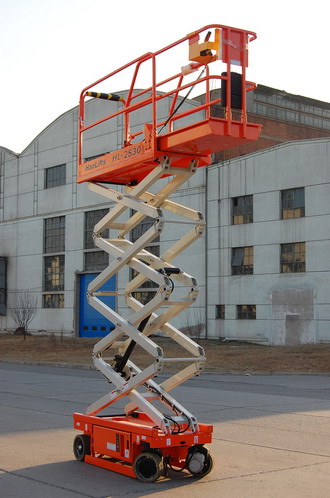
(131, 164)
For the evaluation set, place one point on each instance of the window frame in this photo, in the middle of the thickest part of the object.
(3, 287)
(96, 266)
(60, 274)
(246, 311)
(55, 230)
(91, 218)
(241, 260)
(293, 207)
(299, 248)
(144, 295)
(220, 312)
(56, 300)
(55, 182)
(96, 215)
(242, 209)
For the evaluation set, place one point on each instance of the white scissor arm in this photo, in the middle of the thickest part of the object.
(129, 379)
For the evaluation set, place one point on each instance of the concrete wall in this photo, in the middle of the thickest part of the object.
(290, 307)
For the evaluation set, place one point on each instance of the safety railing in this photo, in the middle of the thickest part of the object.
(214, 57)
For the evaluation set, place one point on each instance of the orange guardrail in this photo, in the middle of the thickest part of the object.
(188, 129)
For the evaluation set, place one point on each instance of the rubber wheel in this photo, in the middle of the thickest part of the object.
(81, 446)
(148, 467)
(208, 466)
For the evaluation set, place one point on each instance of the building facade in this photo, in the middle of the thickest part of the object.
(261, 265)
(268, 241)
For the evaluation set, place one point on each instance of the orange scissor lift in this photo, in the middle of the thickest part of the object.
(144, 442)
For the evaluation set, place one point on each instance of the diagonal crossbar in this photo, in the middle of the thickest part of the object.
(129, 379)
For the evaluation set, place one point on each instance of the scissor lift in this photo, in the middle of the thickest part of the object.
(145, 441)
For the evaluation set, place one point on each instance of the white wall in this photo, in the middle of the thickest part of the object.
(264, 175)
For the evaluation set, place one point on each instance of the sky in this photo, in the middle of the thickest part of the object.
(51, 49)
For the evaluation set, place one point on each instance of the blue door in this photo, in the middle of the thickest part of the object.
(91, 322)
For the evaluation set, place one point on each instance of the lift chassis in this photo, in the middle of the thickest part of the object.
(155, 432)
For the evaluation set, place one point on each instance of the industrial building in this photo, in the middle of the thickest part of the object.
(262, 265)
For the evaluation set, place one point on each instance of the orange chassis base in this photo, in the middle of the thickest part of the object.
(115, 442)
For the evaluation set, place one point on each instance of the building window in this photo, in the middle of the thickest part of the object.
(91, 219)
(53, 301)
(53, 281)
(242, 209)
(144, 296)
(220, 312)
(242, 261)
(54, 234)
(54, 273)
(96, 260)
(148, 289)
(3, 285)
(293, 258)
(293, 203)
(142, 227)
(55, 176)
(246, 312)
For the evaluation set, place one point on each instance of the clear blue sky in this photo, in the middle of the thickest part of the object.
(51, 49)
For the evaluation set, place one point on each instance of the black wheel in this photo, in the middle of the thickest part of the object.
(81, 446)
(148, 466)
(200, 462)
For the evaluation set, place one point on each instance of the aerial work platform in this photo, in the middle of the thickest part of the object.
(162, 134)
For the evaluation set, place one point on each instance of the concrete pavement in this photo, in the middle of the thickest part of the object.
(271, 436)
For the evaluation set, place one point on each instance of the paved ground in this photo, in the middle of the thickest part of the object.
(271, 436)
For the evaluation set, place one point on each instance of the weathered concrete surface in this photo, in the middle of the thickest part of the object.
(293, 317)
(271, 436)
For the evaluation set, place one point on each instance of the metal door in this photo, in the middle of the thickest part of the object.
(91, 322)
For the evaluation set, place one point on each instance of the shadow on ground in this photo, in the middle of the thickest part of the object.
(72, 478)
